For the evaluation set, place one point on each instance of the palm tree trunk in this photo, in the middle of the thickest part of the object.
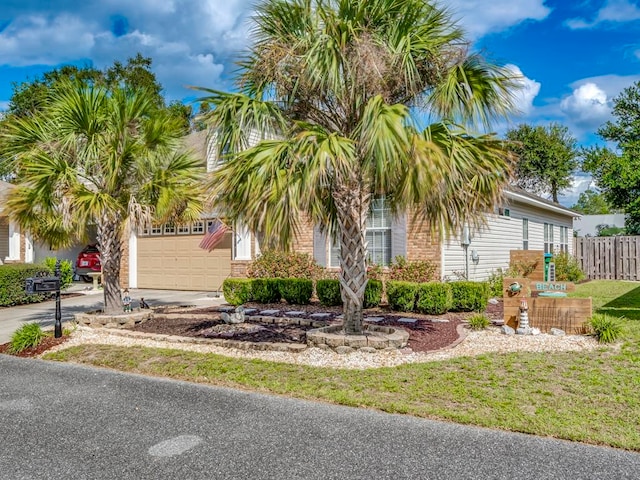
(109, 244)
(352, 208)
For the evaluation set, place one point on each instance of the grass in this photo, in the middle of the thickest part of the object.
(591, 397)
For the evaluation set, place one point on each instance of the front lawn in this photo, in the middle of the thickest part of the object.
(591, 397)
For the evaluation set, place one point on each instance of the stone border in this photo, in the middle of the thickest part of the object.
(98, 320)
(375, 338)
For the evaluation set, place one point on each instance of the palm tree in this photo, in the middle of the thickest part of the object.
(333, 88)
(107, 157)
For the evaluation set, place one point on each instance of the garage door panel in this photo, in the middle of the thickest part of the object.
(178, 263)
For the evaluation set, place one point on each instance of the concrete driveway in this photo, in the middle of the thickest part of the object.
(12, 318)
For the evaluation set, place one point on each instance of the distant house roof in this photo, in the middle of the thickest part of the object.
(515, 193)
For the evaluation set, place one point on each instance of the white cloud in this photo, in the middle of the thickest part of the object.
(587, 106)
(480, 17)
(616, 11)
(527, 93)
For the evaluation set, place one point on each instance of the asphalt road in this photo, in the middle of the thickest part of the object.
(44, 313)
(62, 421)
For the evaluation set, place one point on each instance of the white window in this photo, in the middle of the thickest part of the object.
(378, 236)
(548, 238)
(183, 229)
(156, 229)
(504, 212)
(564, 239)
(197, 227)
(525, 234)
(169, 229)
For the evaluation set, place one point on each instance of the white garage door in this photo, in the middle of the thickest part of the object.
(170, 258)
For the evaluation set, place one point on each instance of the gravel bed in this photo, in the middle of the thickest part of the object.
(475, 343)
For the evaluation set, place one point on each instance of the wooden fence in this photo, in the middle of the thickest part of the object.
(608, 258)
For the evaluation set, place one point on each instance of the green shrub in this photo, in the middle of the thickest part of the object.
(28, 335)
(416, 271)
(237, 291)
(495, 283)
(277, 264)
(328, 291)
(12, 283)
(372, 293)
(66, 271)
(402, 295)
(433, 298)
(266, 290)
(296, 291)
(605, 328)
(479, 321)
(567, 268)
(469, 296)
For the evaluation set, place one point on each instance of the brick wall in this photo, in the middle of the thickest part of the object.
(303, 242)
(423, 245)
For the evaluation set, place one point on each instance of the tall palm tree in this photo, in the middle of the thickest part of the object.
(333, 87)
(107, 157)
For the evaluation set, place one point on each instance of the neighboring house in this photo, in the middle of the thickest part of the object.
(15, 246)
(586, 226)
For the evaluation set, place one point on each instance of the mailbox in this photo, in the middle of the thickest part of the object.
(42, 284)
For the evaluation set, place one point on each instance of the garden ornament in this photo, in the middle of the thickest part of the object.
(515, 287)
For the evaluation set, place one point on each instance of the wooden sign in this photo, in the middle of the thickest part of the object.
(568, 314)
(565, 287)
(530, 259)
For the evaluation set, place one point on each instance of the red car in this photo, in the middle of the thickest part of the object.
(88, 262)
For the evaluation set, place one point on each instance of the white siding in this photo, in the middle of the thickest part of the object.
(502, 234)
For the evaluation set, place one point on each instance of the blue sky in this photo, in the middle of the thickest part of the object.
(574, 56)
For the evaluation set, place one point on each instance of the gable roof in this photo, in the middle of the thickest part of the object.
(516, 193)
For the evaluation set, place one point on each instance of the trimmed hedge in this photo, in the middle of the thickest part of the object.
(296, 291)
(402, 295)
(328, 291)
(12, 283)
(469, 296)
(266, 290)
(373, 293)
(433, 298)
(237, 291)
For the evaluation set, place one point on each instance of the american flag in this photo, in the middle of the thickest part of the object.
(214, 234)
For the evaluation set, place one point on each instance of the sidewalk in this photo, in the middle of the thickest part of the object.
(11, 318)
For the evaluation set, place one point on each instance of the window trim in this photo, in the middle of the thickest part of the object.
(525, 234)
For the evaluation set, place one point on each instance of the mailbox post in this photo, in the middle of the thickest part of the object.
(35, 285)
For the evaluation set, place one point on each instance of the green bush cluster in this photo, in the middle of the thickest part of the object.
(402, 295)
(436, 298)
(433, 298)
(567, 268)
(419, 271)
(495, 283)
(328, 291)
(12, 283)
(469, 296)
(479, 321)
(296, 291)
(28, 335)
(66, 270)
(278, 264)
(237, 291)
(265, 290)
(373, 293)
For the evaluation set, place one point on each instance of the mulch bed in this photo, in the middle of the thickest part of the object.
(46, 344)
(428, 334)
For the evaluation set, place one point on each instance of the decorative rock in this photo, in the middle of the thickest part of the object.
(557, 332)
(344, 350)
(507, 330)
(269, 313)
(320, 316)
(498, 322)
(249, 311)
(408, 321)
(439, 320)
(535, 331)
(524, 331)
(235, 317)
(323, 346)
(367, 350)
(296, 347)
(374, 319)
(493, 301)
(226, 309)
(295, 313)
